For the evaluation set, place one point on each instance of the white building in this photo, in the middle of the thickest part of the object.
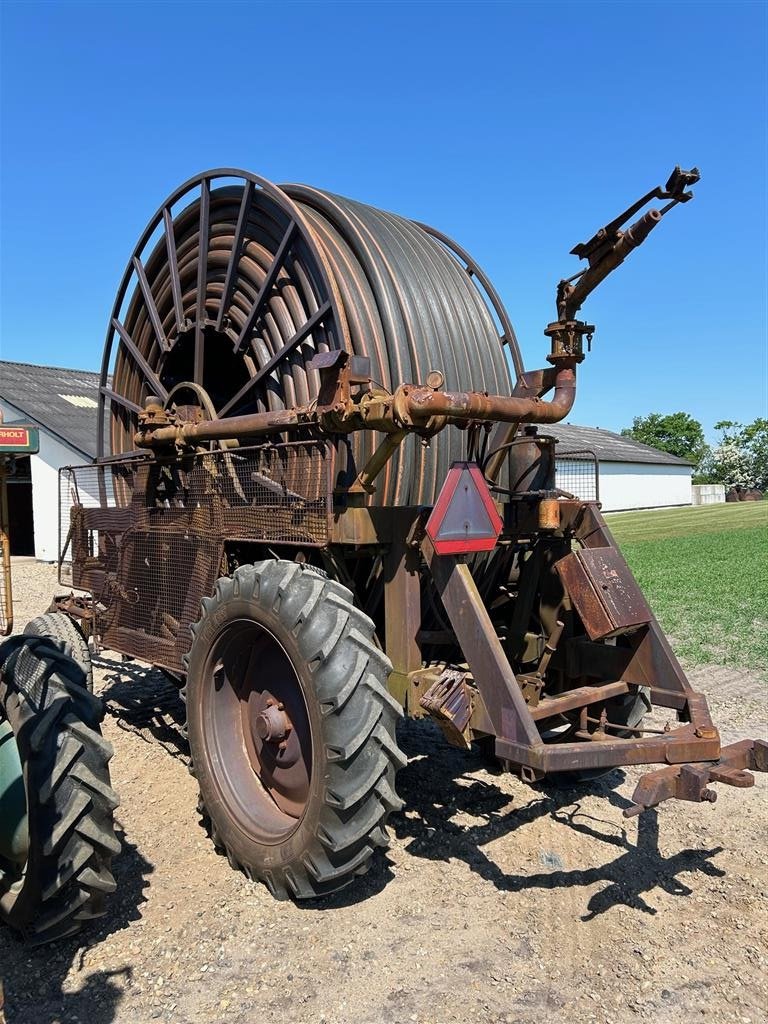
(63, 404)
(631, 475)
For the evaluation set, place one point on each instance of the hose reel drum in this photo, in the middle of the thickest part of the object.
(236, 284)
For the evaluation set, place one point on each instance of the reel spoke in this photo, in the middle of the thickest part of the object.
(202, 280)
(236, 252)
(140, 361)
(173, 266)
(269, 366)
(266, 288)
(149, 302)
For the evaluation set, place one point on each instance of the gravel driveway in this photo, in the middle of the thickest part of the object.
(496, 904)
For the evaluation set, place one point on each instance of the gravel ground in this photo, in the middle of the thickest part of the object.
(496, 903)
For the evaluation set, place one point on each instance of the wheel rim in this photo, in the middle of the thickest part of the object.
(256, 732)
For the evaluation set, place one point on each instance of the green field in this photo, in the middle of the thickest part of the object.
(704, 572)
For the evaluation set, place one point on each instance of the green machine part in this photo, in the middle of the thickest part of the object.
(14, 831)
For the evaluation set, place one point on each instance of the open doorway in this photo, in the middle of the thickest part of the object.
(20, 519)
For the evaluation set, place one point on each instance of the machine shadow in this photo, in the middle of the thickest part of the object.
(34, 978)
(145, 702)
(439, 785)
(442, 786)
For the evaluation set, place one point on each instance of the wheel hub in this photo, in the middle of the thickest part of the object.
(259, 728)
(272, 724)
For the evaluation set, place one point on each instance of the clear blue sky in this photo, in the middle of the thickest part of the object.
(516, 128)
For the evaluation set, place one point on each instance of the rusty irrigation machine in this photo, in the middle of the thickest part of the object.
(321, 500)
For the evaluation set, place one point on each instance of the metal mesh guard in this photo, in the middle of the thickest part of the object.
(577, 473)
(147, 538)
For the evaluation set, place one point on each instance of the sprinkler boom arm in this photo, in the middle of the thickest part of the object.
(610, 246)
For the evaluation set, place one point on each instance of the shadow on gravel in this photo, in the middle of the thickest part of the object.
(34, 978)
(437, 785)
(146, 702)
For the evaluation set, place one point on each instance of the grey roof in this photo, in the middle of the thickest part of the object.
(63, 402)
(49, 396)
(609, 447)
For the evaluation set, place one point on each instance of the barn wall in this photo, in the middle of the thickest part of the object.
(627, 485)
(45, 485)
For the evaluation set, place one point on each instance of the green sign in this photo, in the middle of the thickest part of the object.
(19, 439)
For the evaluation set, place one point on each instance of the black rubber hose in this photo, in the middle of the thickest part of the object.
(400, 296)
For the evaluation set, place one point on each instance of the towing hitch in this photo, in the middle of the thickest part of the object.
(691, 781)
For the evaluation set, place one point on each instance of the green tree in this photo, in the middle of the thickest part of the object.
(678, 433)
(741, 455)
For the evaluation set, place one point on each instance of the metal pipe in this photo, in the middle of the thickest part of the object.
(628, 240)
(378, 461)
(257, 424)
(409, 408)
(463, 406)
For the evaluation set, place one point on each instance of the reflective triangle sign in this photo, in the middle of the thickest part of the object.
(464, 518)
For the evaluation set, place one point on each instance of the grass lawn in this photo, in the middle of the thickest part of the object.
(704, 572)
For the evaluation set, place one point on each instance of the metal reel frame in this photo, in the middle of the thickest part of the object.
(328, 309)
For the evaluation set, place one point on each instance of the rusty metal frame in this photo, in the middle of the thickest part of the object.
(691, 751)
(574, 562)
(517, 737)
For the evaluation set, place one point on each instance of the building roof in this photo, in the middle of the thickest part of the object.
(63, 402)
(607, 446)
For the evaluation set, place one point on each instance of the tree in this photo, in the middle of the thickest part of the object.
(678, 433)
(741, 455)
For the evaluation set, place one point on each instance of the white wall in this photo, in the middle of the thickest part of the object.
(45, 485)
(708, 494)
(625, 485)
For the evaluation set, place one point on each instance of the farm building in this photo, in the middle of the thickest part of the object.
(64, 402)
(632, 475)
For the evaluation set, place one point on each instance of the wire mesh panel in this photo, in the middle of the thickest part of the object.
(147, 538)
(577, 473)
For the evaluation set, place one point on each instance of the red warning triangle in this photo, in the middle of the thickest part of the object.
(464, 518)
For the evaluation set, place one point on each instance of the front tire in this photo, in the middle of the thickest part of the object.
(291, 728)
(57, 807)
(67, 636)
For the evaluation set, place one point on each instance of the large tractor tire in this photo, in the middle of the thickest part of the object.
(291, 729)
(57, 836)
(67, 636)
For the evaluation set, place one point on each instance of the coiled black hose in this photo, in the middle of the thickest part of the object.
(393, 292)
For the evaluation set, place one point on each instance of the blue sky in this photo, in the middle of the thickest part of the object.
(516, 128)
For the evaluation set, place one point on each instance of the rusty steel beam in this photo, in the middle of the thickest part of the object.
(576, 698)
(493, 675)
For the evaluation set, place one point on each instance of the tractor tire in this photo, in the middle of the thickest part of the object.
(291, 729)
(68, 636)
(55, 867)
